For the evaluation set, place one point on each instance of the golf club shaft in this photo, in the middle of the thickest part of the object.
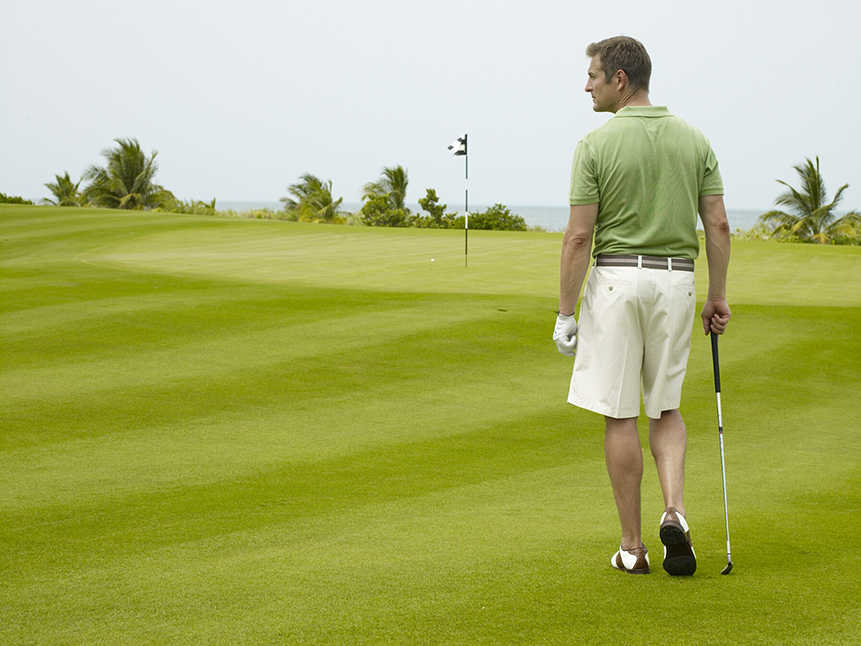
(716, 362)
(723, 473)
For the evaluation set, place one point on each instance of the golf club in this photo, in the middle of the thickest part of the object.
(716, 363)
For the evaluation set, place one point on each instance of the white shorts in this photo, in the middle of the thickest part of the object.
(634, 332)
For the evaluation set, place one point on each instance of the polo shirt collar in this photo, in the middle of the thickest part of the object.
(644, 111)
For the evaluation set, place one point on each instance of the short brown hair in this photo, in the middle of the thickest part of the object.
(626, 54)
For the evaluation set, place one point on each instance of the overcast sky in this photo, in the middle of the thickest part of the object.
(241, 98)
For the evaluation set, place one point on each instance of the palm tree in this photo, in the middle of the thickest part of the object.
(127, 181)
(810, 219)
(313, 200)
(65, 191)
(392, 185)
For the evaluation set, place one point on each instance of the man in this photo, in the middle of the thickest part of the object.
(637, 183)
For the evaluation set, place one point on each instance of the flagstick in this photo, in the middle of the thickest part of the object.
(459, 146)
(466, 209)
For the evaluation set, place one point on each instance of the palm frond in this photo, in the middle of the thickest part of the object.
(127, 181)
(65, 192)
(372, 190)
(810, 216)
(313, 200)
(392, 185)
(847, 226)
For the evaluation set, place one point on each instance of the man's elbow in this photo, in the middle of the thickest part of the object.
(576, 239)
(713, 213)
(718, 227)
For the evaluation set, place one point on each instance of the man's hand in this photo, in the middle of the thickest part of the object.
(715, 316)
(565, 334)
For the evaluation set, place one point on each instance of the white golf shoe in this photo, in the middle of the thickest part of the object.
(635, 561)
(679, 557)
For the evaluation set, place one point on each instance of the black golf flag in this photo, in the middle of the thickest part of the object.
(458, 146)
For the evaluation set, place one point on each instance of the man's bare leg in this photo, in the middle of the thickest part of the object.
(668, 441)
(624, 456)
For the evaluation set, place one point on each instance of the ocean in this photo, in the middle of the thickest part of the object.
(549, 218)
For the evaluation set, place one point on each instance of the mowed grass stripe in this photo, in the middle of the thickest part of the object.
(286, 494)
(433, 261)
(211, 339)
(295, 408)
(427, 261)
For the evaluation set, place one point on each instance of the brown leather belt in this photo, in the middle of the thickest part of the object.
(645, 262)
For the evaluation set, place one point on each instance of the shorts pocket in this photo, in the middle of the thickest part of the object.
(687, 290)
(611, 288)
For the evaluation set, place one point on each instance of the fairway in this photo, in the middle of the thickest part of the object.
(226, 431)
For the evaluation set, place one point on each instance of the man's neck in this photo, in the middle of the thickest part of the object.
(636, 100)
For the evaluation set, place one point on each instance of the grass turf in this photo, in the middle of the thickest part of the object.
(225, 431)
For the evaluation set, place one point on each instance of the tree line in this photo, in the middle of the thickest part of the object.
(384, 205)
(127, 181)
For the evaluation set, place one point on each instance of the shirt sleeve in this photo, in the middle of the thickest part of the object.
(712, 181)
(584, 187)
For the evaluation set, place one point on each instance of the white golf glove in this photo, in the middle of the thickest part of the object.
(565, 334)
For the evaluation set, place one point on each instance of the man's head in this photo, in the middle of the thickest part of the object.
(626, 69)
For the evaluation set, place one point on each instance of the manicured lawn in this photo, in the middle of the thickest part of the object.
(219, 431)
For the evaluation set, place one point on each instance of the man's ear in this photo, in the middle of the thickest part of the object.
(620, 78)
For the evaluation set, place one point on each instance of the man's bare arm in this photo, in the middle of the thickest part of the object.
(716, 312)
(576, 255)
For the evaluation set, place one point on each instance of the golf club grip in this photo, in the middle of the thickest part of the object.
(715, 360)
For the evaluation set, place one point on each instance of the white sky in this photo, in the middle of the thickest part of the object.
(240, 98)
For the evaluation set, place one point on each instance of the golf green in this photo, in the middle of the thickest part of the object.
(226, 431)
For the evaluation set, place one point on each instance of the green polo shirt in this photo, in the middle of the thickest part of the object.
(646, 169)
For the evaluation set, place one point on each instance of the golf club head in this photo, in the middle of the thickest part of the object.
(727, 569)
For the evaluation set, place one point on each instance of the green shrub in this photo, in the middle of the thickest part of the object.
(497, 218)
(378, 212)
(263, 214)
(436, 217)
(10, 199)
(191, 207)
